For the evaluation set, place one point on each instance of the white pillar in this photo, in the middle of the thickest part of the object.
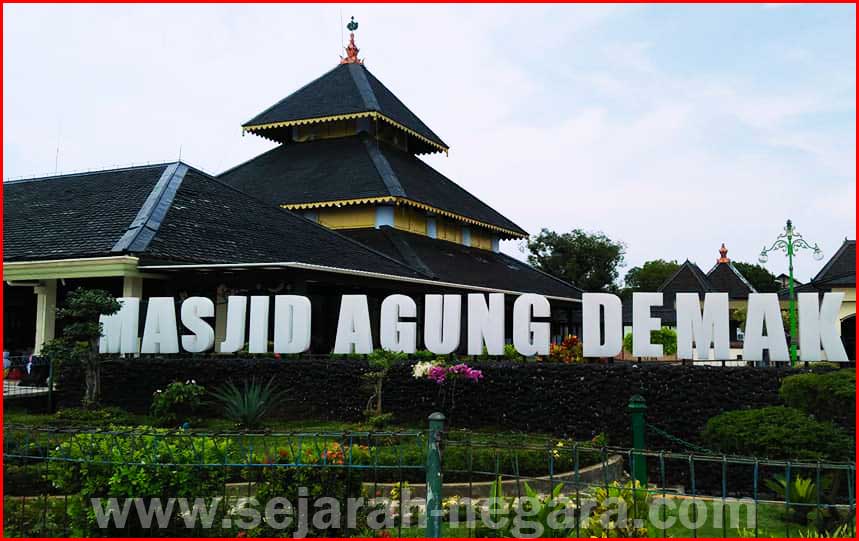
(132, 286)
(46, 312)
(220, 317)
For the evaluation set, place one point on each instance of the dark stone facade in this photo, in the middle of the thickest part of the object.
(566, 400)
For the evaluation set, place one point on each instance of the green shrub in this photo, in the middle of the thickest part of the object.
(321, 474)
(127, 464)
(94, 417)
(665, 336)
(827, 395)
(422, 355)
(629, 499)
(776, 432)
(511, 354)
(548, 515)
(178, 403)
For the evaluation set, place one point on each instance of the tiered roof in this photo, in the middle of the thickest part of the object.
(338, 149)
(348, 91)
(359, 170)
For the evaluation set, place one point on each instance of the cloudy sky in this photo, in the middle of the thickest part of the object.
(671, 128)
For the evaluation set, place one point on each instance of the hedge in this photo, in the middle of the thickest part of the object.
(575, 401)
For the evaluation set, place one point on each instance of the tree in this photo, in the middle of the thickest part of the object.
(761, 279)
(588, 260)
(81, 334)
(650, 275)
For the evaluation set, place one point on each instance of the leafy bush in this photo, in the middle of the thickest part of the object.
(568, 351)
(321, 474)
(511, 354)
(95, 417)
(423, 355)
(629, 500)
(548, 515)
(127, 464)
(665, 336)
(177, 403)
(247, 406)
(828, 395)
(482, 459)
(776, 432)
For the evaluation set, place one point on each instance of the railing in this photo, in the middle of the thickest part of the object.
(121, 482)
(29, 379)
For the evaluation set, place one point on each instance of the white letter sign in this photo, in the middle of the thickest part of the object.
(711, 328)
(194, 309)
(764, 309)
(119, 330)
(530, 337)
(353, 326)
(591, 346)
(820, 324)
(486, 324)
(396, 335)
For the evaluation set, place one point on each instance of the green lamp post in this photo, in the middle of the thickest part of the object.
(789, 242)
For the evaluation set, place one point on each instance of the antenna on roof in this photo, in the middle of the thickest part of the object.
(180, 152)
(57, 153)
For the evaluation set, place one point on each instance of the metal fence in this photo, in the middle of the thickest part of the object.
(433, 482)
(28, 382)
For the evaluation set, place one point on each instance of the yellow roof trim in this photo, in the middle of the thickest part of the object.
(403, 201)
(364, 114)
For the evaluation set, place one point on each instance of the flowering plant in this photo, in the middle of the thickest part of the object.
(440, 373)
(568, 351)
(421, 370)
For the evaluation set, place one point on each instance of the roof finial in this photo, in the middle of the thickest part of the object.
(724, 253)
(351, 49)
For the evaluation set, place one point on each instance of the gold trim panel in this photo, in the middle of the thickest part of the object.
(364, 114)
(402, 201)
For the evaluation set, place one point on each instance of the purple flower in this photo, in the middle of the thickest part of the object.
(437, 374)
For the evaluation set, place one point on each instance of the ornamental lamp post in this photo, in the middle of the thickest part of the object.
(789, 242)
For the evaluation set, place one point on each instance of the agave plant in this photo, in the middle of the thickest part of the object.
(844, 531)
(248, 405)
(802, 493)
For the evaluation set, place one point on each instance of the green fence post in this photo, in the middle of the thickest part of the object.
(436, 426)
(636, 408)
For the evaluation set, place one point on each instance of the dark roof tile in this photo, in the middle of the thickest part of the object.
(459, 264)
(840, 270)
(355, 168)
(725, 277)
(346, 89)
(73, 216)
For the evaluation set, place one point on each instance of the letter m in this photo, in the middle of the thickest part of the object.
(119, 330)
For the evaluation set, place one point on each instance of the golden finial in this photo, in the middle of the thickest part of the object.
(351, 49)
(724, 253)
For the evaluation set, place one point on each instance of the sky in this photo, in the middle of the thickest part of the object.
(671, 128)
